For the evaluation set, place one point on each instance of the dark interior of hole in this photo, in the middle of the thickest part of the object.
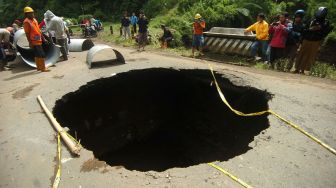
(156, 119)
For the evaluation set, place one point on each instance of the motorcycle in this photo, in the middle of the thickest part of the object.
(89, 31)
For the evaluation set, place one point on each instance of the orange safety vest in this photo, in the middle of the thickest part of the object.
(198, 27)
(31, 28)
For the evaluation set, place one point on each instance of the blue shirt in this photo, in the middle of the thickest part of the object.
(134, 20)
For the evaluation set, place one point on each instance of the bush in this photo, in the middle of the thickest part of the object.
(86, 16)
(323, 70)
(331, 38)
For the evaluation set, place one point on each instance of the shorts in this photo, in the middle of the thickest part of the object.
(198, 40)
(38, 51)
(142, 38)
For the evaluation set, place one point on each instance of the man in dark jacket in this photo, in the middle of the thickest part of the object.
(313, 35)
(143, 31)
(125, 23)
(294, 37)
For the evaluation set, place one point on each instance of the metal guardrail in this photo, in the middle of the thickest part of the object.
(224, 40)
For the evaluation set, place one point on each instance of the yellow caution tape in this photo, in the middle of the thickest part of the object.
(332, 150)
(230, 175)
(58, 174)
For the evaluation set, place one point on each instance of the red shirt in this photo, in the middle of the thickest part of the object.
(42, 24)
(198, 27)
(279, 35)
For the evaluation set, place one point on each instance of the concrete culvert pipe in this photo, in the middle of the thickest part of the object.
(27, 55)
(103, 58)
(79, 45)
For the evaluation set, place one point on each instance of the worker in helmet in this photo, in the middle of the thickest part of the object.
(313, 35)
(35, 38)
(198, 39)
(294, 37)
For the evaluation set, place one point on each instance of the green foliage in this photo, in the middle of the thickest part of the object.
(155, 8)
(85, 16)
(323, 70)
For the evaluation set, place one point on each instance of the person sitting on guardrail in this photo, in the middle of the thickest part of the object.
(279, 32)
(198, 38)
(166, 37)
(261, 29)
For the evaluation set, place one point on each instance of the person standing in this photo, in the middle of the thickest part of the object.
(134, 21)
(35, 38)
(56, 24)
(294, 38)
(198, 39)
(125, 23)
(261, 29)
(313, 35)
(279, 32)
(143, 31)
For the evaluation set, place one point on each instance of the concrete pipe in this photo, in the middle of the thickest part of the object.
(27, 54)
(79, 45)
(110, 57)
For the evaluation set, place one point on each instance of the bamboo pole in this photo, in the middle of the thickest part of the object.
(74, 147)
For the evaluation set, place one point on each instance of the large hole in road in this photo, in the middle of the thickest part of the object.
(156, 119)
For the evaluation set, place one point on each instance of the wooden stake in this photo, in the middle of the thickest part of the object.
(73, 147)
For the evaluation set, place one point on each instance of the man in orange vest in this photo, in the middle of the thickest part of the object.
(35, 38)
(198, 39)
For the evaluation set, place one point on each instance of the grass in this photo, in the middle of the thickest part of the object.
(323, 70)
(319, 69)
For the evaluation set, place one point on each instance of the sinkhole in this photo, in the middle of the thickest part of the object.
(156, 119)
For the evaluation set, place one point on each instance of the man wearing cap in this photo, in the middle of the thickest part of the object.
(35, 38)
(16, 25)
(198, 39)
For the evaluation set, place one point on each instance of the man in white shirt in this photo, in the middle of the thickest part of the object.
(56, 24)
